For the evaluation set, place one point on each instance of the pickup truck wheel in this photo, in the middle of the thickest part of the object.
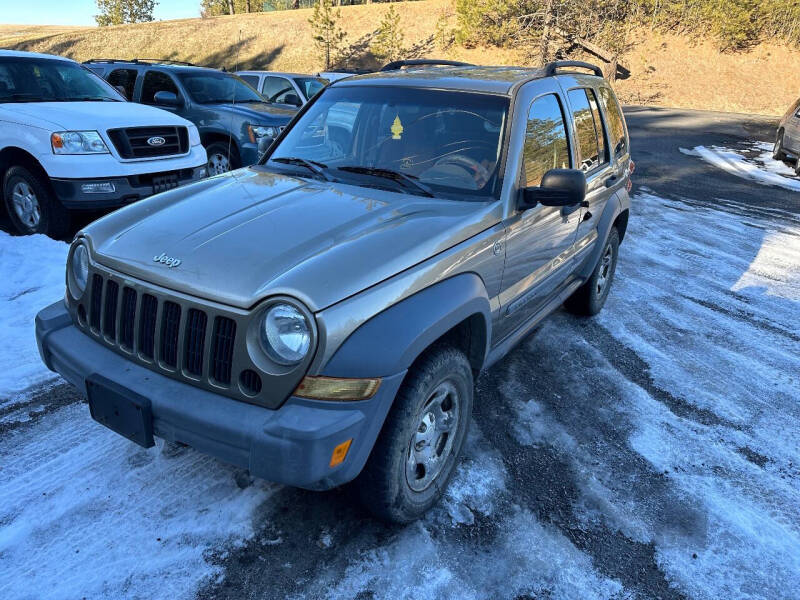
(777, 149)
(418, 449)
(591, 296)
(222, 158)
(32, 206)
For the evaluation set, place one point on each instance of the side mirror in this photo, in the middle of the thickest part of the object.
(292, 99)
(121, 89)
(164, 98)
(559, 187)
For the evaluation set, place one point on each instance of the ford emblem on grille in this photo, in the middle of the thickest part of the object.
(156, 140)
(167, 260)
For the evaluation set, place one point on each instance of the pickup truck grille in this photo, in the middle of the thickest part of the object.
(132, 142)
(170, 334)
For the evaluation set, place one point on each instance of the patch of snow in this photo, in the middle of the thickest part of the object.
(86, 513)
(32, 276)
(753, 162)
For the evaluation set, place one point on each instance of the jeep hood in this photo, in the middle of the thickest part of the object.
(258, 112)
(250, 234)
(81, 116)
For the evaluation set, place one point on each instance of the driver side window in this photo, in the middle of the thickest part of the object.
(273, 86)
(546, 145)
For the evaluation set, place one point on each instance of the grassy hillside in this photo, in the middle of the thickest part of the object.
(666, 70)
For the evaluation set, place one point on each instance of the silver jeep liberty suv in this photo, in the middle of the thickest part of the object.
(320, 317)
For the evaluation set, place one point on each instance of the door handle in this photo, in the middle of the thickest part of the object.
(611, 181)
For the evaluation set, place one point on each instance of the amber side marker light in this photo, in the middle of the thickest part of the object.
(340, 452)
(335, 388)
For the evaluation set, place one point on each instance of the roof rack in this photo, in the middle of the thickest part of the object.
(551, 67)
(162, 61)
(423, 62)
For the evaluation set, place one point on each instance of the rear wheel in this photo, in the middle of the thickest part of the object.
(222, 157)
(591, 296)
(418, 449)
(31, 204)
(777, 149)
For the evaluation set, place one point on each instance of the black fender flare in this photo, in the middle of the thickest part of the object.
(391, 341)
(614, 207)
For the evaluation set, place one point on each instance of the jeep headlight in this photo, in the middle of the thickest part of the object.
(78, 142)
(78, 270)
(285, 334)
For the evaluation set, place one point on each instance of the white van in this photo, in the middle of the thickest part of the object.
(70, 141)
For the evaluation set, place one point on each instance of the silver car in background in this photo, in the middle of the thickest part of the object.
(293, 89)
(787, 139)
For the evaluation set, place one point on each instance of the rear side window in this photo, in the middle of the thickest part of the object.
(250, 79)
(588, 129)
(125, 78)
(156, 81)
(275, 86)
(616, 127)
(546, 145)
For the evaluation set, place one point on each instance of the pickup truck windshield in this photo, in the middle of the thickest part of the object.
(24, 79)
(450, 142)
(218, 88)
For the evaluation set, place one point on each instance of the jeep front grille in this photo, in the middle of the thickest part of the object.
(132, 142)
(160, 331)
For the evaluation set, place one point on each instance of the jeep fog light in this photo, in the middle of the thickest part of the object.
(105, 187)
(78, 271)
(285, 334)
(335, 388)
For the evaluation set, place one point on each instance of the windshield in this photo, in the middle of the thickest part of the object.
(25, 79)
(218, 88)
(310, 85)
(447, 141)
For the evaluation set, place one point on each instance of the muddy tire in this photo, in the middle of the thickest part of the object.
(31, 204)
(420, 443)
(222, 157)
(588, 300)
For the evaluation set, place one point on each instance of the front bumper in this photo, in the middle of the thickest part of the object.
(126, 189)
(291, 445)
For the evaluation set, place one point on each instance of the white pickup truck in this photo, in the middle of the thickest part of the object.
(70, 141)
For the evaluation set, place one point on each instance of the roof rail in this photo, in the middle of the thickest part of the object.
(162, 61)
(551, 67)
(423, 62)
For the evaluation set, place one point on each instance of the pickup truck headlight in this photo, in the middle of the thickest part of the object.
(78, 270)
(285, 334)
(257, 132)
(78, 142)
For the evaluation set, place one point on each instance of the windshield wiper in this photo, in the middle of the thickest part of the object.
(312, 165)
(23, 97)
(89, 99)
(408, 180)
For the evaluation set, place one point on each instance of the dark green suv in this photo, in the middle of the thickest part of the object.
(236, 123)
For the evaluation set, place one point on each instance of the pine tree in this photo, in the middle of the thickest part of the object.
(388, 44)
(117, 12)
(327, 36)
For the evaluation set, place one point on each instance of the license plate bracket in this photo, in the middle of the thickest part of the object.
(120, 409)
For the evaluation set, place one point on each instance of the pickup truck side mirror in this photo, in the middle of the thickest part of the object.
(164, 98)
(559, 187)
(292, 99)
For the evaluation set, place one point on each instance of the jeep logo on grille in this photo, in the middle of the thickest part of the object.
(167, 260)
(156, 140)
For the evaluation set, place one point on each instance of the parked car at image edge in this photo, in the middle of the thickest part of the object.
(320, 317)
(787, 138)
(69, 141)
(236, 123)
(290, 89)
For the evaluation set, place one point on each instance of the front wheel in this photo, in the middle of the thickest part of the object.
(589, 299)
(222, 157)
(418, 449)
(777, 149)
(31, 204)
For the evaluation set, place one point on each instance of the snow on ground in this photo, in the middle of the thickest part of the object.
(651, 451)
(751, 161)
(31, 277)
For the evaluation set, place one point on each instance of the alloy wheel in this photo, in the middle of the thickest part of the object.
(218, 163)
(26, 204)
(605, 269)
(432, 441)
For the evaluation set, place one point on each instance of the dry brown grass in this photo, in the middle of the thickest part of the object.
(666, 70)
